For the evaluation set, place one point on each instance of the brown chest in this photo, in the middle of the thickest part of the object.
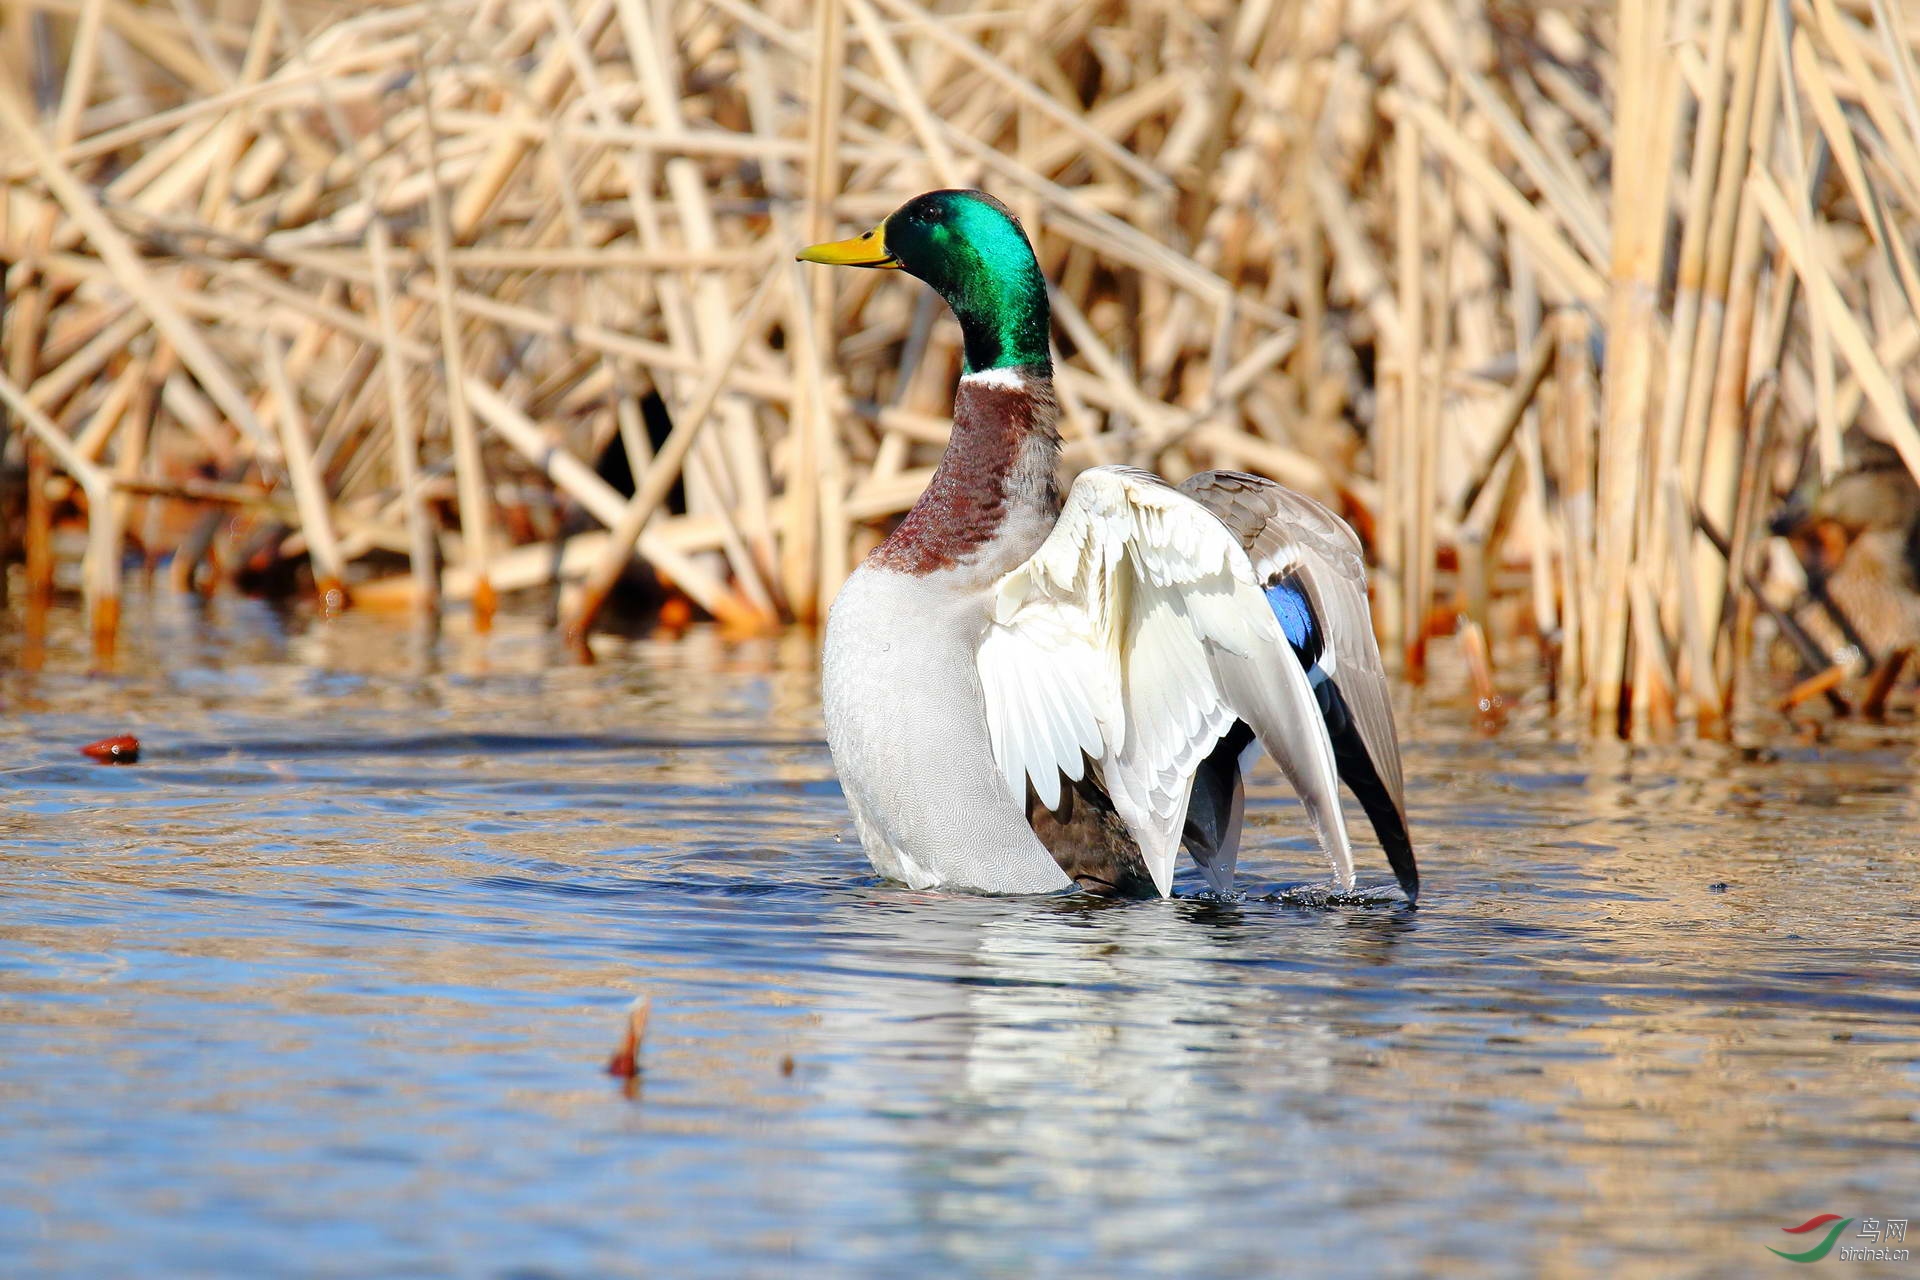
(998, 472)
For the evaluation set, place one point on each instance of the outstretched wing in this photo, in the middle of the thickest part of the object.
(1134, 638)
(1308, 562)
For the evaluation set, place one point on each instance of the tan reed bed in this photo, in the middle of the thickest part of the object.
(1548, 299)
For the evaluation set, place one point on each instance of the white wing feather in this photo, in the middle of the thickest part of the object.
(1045, 707)
(1136, 635)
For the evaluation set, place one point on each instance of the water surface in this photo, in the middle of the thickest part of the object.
(324, 986)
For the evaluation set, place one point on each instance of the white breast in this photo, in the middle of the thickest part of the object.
(903, 706)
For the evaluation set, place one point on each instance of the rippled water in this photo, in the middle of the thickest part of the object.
(325, 984)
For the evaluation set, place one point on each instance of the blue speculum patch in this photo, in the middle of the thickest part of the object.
(1288, 598)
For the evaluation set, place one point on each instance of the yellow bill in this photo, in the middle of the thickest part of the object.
(869, 250)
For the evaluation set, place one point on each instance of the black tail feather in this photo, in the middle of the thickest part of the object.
(1357, 771)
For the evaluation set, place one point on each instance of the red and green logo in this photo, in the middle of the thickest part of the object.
(1820, 1250)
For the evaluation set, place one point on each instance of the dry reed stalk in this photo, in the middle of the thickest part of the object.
(1865, 83)
(1575, 279)
(421, 553)
(729, 473)
(1654, 683)
(1668, 539)
(130, 453)
(469, 470)
(1639, 225)
(1826, 429)
(1408, 623)
(662, 473)
(601, 501)
(741, 480)
(1826, 683)
(101, 571)
(53, 387)
(1573, 420)
(310, 499)
(1876, 381)
(1479, 661)
(1839, 135)
(1724, 421)
(1540, 520)
(1424, 447)
(1557, 180)
(1873, 704)
(821, 391)
(1721, 224)
(1702, 685)
(1737, 608)
(81, 62)
(131, 273)
(1513, 411)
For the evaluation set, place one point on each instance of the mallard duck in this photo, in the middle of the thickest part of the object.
(1023, 695)
(1859, 539)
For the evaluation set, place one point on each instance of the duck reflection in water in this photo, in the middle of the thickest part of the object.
(1057, 1054)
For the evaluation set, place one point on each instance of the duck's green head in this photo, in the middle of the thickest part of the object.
(970, 248)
